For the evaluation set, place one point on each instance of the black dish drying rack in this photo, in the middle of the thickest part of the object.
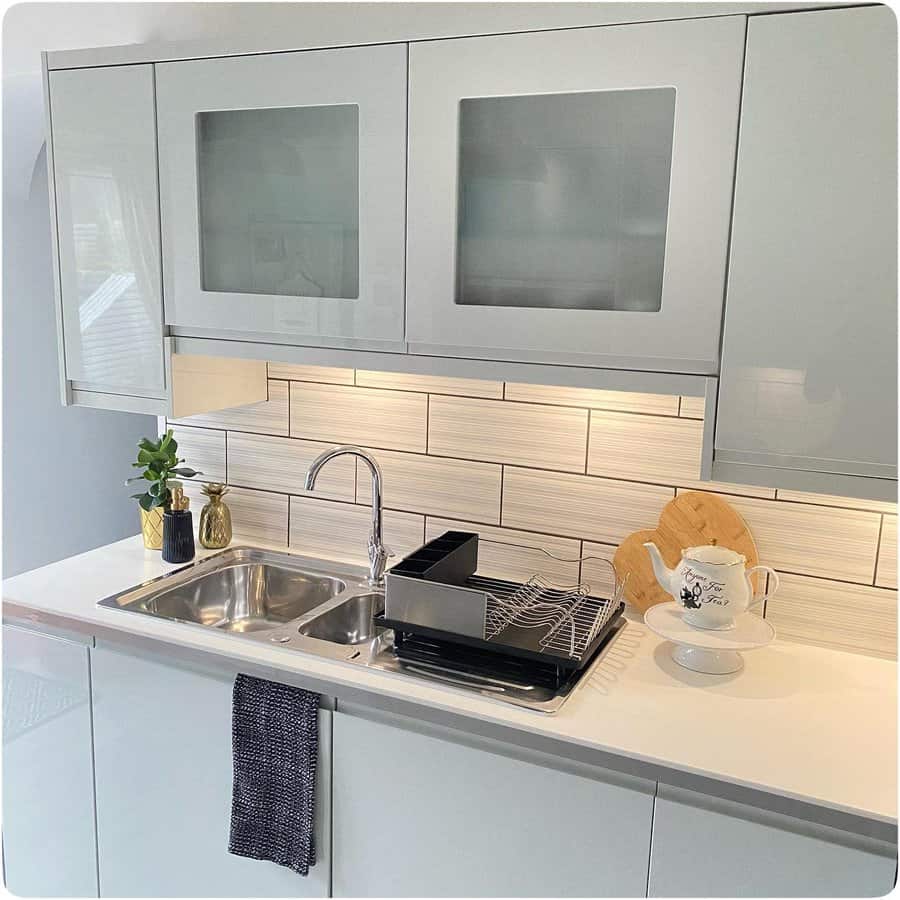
(443, 614)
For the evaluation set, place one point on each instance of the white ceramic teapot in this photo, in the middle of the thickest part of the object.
(711, 583)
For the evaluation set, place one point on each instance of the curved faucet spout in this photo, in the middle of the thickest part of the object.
(378, 553)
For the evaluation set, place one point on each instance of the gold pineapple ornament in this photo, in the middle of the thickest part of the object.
(215, 518)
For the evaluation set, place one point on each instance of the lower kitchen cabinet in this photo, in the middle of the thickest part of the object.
(421, 811)
(706, 847)
(49, 848)
(163, 767)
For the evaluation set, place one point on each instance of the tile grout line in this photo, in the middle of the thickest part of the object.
(587, 443)
(877, 551)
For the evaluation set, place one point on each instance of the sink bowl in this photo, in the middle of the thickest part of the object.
(349, 622)
(240, 591)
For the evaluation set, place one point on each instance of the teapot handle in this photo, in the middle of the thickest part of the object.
(768, 594)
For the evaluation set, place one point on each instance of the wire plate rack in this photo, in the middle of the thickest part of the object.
(569, 616)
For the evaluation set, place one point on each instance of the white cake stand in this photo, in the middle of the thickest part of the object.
(705, 650)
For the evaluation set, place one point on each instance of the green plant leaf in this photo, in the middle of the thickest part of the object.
(135, 478)
(147, 502)
(136, 496)
(185, 472)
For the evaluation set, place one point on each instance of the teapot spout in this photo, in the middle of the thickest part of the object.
(664, 575)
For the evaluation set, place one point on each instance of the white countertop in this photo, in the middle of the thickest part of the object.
(801, 722)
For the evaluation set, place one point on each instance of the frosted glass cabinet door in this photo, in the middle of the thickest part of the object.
(104, 167)
(809, 357)
(283, 194)
(570, 194)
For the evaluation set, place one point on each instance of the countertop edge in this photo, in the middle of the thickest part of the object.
(818, 813)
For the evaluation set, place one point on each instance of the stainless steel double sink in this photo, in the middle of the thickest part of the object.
(268, 596)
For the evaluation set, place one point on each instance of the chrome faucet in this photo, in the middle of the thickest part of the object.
(378, 553)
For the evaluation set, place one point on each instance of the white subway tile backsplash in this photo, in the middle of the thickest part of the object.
(522, 434)
(435, 486)
(591, 398)
(849, 617)
(595, 572)
(280, 464)
(202, 449)
(812, 540)
(256, 516)
(509, 462)
(599, 509)
(431, 384)
(644, 448)
(395, 420)
(340, 531)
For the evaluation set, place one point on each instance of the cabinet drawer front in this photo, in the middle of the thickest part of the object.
(104, 172)
(570, 193)
(48, 790)
(451, 819)
(705, 847)
(283, 193)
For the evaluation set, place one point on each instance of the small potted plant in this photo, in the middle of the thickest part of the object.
(159, 460)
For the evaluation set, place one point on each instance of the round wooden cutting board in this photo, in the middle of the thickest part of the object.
(689, 520)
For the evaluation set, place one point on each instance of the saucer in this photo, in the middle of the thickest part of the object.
(712, 651)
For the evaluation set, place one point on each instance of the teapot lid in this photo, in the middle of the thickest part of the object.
(714, 555)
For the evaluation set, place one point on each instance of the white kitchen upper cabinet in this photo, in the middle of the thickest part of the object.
(570, 194)
(164, 776)
(49, 848)
(705, 847)
(283, 192)
(103, 151)
(808, 389)
(422, 812)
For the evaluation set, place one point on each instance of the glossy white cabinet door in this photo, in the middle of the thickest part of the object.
(713, 848)
(570, 194)
(48, 789)
(105, 177)
(164, 774)
(419, 815)
(809, 367)
(283, 182)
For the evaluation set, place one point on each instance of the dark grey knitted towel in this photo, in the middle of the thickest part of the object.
(275, 748)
